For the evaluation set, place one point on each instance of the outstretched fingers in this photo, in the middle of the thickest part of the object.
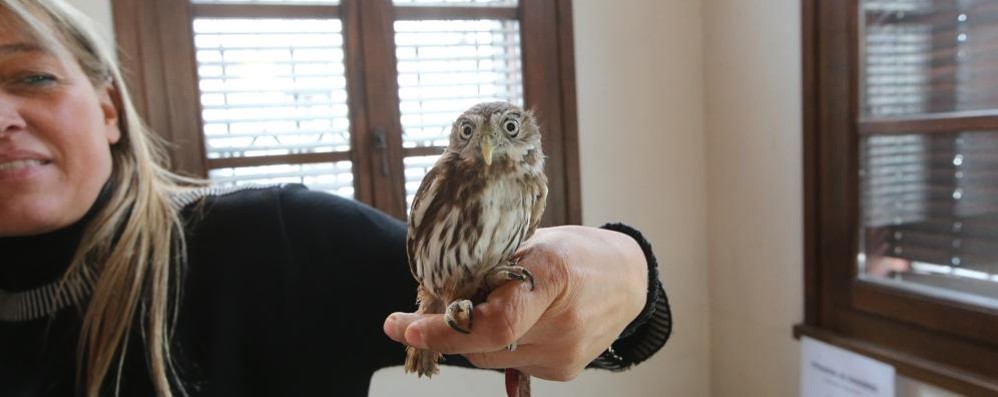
(506, 317)
(500, 321)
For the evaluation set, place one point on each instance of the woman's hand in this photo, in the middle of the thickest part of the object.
(590, 283)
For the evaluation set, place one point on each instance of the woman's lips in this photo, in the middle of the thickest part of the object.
(16, 170)
(19, 164)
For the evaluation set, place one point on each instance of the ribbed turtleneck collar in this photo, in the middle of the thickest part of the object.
(31, 261)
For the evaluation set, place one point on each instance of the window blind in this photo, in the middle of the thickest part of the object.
(931, 198)
(290, 2)
(925, 56)
(333, 177)
(445, 67)
(451, 3)
(274, 87)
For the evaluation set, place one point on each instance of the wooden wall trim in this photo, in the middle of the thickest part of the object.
(810, 92)
(569, 114)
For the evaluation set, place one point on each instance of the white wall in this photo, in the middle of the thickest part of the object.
(640, 83)
(755, 236)
(100, 12)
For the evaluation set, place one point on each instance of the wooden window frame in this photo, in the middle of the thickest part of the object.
(155, 41)
(950, 344)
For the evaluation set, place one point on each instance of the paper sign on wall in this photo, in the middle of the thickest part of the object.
(828, 371)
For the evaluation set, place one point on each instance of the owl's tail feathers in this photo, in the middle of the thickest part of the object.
(517, 383)
(421, 361)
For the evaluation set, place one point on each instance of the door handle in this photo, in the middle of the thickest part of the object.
(381, 146)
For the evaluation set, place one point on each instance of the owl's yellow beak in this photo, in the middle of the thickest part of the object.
(487, 149)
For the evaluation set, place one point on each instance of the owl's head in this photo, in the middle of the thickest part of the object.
(495, 131)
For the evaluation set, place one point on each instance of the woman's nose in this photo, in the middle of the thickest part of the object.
(10, 118)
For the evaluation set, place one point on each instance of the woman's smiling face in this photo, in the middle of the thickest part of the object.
(56, 128)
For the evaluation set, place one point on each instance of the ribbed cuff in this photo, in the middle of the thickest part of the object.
(647, 333)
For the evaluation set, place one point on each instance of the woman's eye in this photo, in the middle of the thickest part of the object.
(38, 79)
(466, 131)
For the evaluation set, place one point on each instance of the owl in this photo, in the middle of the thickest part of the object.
(483, 198)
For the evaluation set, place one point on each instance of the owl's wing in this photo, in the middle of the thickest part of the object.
(540, 202)
(424, 196)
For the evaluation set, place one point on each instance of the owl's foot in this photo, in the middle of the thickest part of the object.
(422, 362)
(459, 309)
(512, 271)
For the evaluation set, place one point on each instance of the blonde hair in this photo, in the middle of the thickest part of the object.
(136, 241)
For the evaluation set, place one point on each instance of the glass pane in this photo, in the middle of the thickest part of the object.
(271, 86)
(416, 168)
(927, 56)
(445, 67)
(336, 178)
(292, 2)
(930, 213)
(459, 3)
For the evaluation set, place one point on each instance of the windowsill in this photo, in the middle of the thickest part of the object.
(966, 291)
(906, 364)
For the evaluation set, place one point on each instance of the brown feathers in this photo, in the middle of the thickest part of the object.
(479, 202)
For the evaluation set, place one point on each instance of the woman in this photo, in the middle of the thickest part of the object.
(182, 289)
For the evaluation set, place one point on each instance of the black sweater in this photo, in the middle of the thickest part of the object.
(284, 294)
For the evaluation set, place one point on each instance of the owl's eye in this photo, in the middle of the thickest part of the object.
(512, 127)
(466, 131)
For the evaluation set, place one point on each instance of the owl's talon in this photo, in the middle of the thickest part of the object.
(524, 276)
(509, 272)
(455, 309)
(453, 324)
(530, 277)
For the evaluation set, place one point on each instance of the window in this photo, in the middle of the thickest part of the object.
(901, 185)
(273, 91)
(353, 97)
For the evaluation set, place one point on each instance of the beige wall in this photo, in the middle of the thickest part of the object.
(640, 82)
(752, 61)
(100, 11)
(689, 115)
